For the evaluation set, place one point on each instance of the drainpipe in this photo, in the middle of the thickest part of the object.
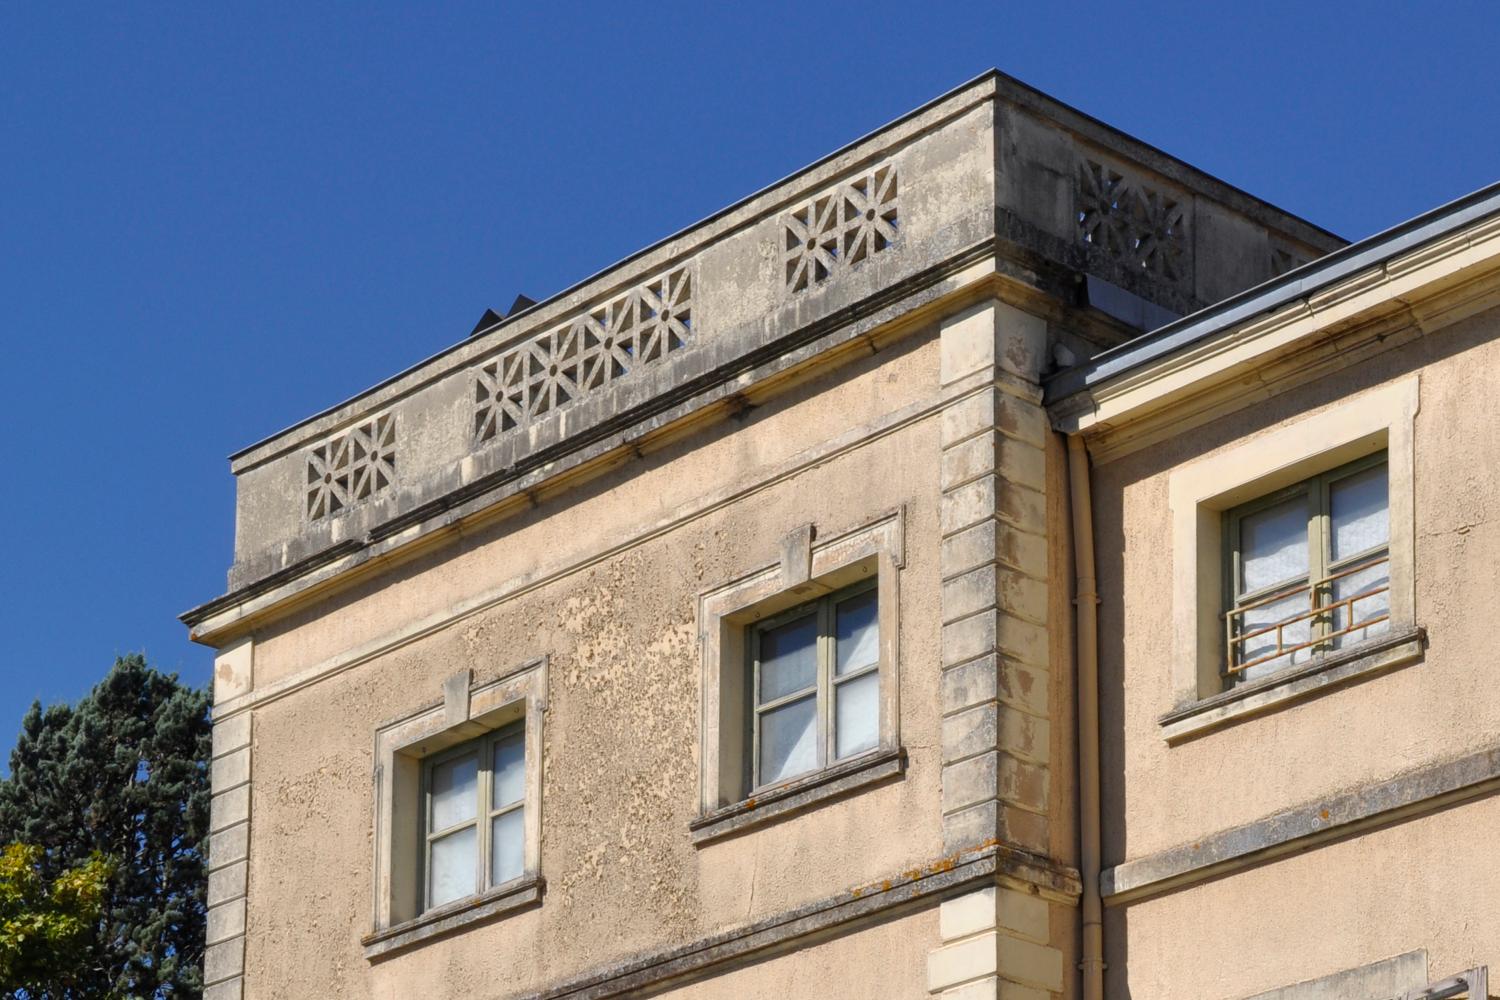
(1087, 634)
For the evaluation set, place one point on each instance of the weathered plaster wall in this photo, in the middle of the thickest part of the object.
(1158, 796)
(621, 736)
(1424, 884)
(887, 960)
(614, 509)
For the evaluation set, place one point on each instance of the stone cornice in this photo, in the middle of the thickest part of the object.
(993, 176)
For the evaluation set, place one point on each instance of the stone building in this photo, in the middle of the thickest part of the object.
(998, 561)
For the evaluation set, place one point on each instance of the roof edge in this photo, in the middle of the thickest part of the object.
(1002, 84)
(1267, 297)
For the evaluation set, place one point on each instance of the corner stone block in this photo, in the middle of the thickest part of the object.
(995, 336)
(1023, 914)
(971, 592)
(968, 505)
(227, 883)
(225, 960)
(230, 989)
(234, 670)
(229, 846)
(993, 410)
(1024, 687)
(971, 782)
(229, 808)
(967, 914)
(230, 771)
(989, 726)
(987, 988)
(970, 684)
(1010, 959)
(230, 734)
(225, 921)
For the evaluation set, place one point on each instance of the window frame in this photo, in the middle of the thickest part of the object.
(811, 564)
(1289, 450)
(484, 813)
(470, 711)
(825, 686)
(1321, 566)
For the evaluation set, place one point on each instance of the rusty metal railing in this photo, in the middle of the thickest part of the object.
(1318, 607)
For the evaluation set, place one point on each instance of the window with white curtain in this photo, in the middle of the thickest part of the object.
(474, 830)
(1308, 569)
(815, 684)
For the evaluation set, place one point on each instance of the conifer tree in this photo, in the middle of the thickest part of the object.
(123, 775)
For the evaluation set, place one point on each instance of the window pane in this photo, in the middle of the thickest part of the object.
(788, 658)
(507, 846)
(1374, 606)
(1273, 545)
(1264, 645)
(454, 867)
(789, 740)
(857, 711)
(455, 791)
(1359, 511)
(858, 633)
(510, 771)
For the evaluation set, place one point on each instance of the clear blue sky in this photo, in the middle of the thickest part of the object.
(217, 219)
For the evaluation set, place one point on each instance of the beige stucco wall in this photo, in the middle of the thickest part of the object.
(886, 960)
(1424, 884)
(1310, 916)
(621, 735)
(1438, 708)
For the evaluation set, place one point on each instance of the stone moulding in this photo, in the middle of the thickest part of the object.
(988, 864)
(353, 465)
(1407, 796)
(841, 227)
(587, 352)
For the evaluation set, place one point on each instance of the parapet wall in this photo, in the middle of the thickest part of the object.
(993, 178)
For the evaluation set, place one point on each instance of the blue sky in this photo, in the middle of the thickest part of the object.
(216, 220)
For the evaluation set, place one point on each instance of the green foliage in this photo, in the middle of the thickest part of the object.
(45, 929)
(123, 775)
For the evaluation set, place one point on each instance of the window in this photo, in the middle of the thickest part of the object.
(801, 677)
(458, 792)
(1309, 569)
(816, 684)
(1293, 556)
(475, 832)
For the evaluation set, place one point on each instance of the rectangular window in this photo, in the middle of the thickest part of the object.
(815, 685)
(474, 833)
(1308, 569)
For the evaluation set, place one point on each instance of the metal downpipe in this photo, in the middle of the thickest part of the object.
(1086, 598)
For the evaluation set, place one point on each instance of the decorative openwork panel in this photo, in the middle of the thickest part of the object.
(841, 227)
(353, 466)
(1284, 259)
(1138, 226)
(587, 353)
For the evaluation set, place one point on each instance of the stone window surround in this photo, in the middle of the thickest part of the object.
(806, 569)
(468, 711)
(1379, 419)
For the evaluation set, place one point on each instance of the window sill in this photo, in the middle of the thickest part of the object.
(515, 895)
(771, 804)
(1322, 673)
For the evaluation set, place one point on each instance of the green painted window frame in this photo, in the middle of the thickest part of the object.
(484, 815)
(825, 686)
(1320, 561)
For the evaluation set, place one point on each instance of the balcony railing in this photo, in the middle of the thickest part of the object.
(1321, 613)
